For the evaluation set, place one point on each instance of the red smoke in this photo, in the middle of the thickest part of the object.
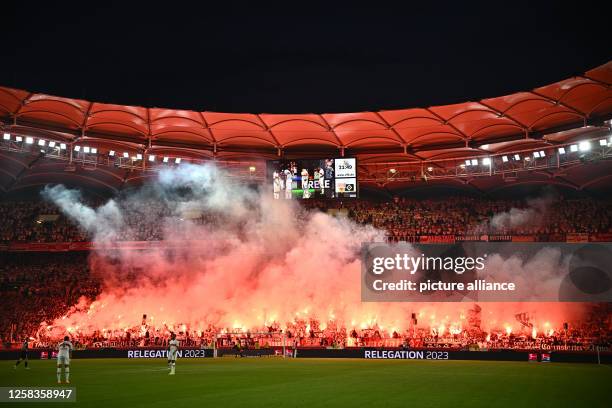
(259, 261)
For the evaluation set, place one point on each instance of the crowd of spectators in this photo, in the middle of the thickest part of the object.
(41, 287)
(407, 217)
(402, 218)
(36, 287)
(593, 331)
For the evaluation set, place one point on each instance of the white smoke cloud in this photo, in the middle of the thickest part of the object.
(103, 221)
(538, 277)
(532, 215)
(253, 261)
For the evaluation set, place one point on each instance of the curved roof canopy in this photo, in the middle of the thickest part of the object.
(518, 121)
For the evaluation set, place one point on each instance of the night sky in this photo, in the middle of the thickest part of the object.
(307, 59)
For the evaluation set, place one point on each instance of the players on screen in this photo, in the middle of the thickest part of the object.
(64, 350)
(313, 178)
(288, 175)
(305, 184)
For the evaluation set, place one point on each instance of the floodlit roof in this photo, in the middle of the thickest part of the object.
(523, 119)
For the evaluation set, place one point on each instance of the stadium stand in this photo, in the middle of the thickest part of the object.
(42, 287)
(402, 218)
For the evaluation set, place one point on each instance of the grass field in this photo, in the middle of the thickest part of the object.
(273, 382)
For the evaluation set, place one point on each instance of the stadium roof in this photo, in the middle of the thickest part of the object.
(543, 116)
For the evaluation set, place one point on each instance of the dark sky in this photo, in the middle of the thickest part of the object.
(257, 59)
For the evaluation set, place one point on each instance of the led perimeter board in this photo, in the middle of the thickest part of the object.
(302, 179)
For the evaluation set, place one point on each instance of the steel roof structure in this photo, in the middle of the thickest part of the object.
(438, 136)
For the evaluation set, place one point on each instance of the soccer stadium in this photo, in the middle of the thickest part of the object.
(452, 255)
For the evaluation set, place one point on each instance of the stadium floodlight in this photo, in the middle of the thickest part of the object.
(562, 150)
(392, 171)
(573, 148)
(462, 166)
(77, 148)
(29, 140)
(86, 149)
(584, 146)
(51, 144)
(165, 159)
(536, 155)
(504, 158)
(430, 169)
(542, 154)
(41, 142)
(467, 162)
(63, 146)
(111, 153)
(151, 157)
(138, 156)
(252, 169)
(18, 138)
(94, 150)
(486, 161)
(7, 136)
(603, 142)
(126, 155)
(177, 160)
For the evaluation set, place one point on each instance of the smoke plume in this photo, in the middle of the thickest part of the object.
(233, 257)
(532, 215)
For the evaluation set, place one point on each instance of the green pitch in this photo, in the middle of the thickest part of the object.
(274, 382)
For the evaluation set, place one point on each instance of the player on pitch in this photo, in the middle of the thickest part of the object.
(173, 346)
(23, 354)
(64, 350)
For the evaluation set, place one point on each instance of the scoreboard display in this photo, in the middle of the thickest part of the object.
(301, 179)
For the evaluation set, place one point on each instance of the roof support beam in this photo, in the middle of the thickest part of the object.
(267, 129)
(86, 117)
(331, 129)
(208, 128)
(505, 115)
(556, 102)
(465, 137)
(391, 128)
(585, 76)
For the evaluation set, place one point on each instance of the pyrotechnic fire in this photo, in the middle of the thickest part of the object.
(262, 255)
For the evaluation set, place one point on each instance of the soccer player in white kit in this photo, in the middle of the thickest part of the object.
(321, 174)
(277, 185)
(305, 190)
(288, 184)
(64, 349)
(173, 346)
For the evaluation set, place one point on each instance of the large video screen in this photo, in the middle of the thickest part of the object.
(299, 179)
